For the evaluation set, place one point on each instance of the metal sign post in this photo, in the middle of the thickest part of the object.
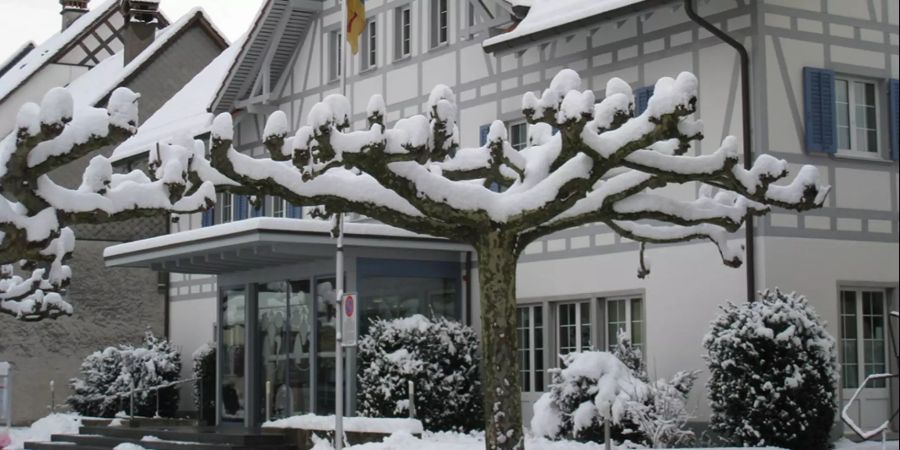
(349, 319)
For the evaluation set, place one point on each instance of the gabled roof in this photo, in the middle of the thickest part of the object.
(278, 32)
(92, 88)
(56, 46)
(548, 18)
(187, 112)
(16, 56)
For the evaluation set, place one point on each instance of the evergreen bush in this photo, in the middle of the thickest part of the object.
(773, 378)
(438, 356)
(108, 375)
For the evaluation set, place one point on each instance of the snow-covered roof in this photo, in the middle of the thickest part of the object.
(15, 57)
(187, 112)
(92, 87)
(37, 58)
(550, 17)
(260, 242)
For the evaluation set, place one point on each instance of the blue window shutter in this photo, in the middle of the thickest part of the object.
(294, 212)
(483, 134)
(818, 110)
(260, 211)
(641, 99)
(208, 218)
(894, 96)
(240, 207)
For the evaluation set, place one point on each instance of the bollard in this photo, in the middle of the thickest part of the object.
(131, 384)
(412, 399)
(157, 416)
(607, 438)
(52, 397)
(200, 386)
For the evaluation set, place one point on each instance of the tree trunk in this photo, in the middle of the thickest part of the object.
(500, 367)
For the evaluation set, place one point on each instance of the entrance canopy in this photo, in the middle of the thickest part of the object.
(261, 242)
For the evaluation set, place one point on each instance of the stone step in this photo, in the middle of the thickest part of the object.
(59, 445)
(107, 442)
(204, 435)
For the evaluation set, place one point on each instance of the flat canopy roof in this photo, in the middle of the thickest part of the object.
(261, 242)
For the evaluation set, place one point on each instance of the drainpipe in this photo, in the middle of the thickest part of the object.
(748, 149)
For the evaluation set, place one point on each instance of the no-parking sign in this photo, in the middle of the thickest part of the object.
(349, 319)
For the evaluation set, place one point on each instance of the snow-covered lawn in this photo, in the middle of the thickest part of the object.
(68, 424)
(42, 429)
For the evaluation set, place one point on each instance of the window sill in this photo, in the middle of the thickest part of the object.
(403, 58)
(368, 69)
(860, 156)
(440, 46)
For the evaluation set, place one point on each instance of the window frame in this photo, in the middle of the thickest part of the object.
(858, 315)
(628, 300)
(276, 202)
(226, 213)
(335, 52)
(509, 130)
(440, 23)
(533, 357)
(854, 149)
(369, 53)
(579, 323)
(403, 32)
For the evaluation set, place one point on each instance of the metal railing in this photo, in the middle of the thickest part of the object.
(130, 395)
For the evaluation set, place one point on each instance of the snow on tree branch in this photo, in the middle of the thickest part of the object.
(35, 212)
(585, 162)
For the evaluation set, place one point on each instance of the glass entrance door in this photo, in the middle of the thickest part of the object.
(864, 351)
(325, 344)
(233, 361)
(285, 328)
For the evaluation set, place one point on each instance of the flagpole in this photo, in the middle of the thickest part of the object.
(339, 275)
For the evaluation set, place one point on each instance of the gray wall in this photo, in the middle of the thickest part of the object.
(112, 306)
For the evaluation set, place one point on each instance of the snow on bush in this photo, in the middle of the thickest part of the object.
(647, 413)
(205, 379)
(438, 356)
(773, 376)
(592, 387)
(107, 377)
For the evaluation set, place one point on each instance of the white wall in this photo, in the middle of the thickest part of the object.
(51, 76)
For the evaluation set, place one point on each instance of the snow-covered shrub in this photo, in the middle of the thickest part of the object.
(438, 356)
(630, 355)
(205, 379)
(773, 377)
(663, 419)
(592, 387)
(107, 377)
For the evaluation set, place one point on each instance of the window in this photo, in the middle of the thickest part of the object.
(278, 209)
(856, 115)
(863, 339)
(574, 330)
(370, 46)
(844, 114)
(403, 32)
(335, 39)
(530, 336)
(518, 135)
(438, 22)
(227, 202)
(624, 314)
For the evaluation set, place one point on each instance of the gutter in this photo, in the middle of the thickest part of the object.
(747, 130)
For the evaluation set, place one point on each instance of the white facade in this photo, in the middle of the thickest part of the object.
(852, 243)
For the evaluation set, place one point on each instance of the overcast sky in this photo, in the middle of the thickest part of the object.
(36, 20)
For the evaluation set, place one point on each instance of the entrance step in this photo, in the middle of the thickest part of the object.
(175, 438)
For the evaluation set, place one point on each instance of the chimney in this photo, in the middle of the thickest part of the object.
(141, 23)
(72, 10)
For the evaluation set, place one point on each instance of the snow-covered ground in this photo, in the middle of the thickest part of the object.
(68, 424)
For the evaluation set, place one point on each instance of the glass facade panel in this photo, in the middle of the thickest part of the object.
(326, 334)
(431, 293)
(233, 360)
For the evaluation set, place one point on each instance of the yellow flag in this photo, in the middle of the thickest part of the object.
(356, 23)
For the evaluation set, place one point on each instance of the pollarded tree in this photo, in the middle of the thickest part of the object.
(604, 165)
(35, 212)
